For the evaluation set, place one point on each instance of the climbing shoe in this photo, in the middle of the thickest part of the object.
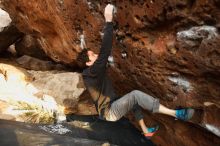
(151, 131)
(184, 114)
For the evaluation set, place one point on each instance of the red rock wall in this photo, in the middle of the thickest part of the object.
(57, 25)
(162, 59)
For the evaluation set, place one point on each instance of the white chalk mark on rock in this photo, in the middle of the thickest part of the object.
(82, 42)
(57, 129)
(198, 32)
(181, 82)
(213, 129)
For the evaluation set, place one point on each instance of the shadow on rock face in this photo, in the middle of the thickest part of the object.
(82, 131)
(20, 134)
(121, 132)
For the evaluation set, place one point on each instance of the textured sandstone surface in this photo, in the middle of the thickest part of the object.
(59, 25)
(54, 91)
(173, 53)
(28, 45)
(33, 63)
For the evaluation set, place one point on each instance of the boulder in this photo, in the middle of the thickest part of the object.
(28, 45)
(8, 37)
(182, 71)
(59, 27)
(33, 63)
(37, 92)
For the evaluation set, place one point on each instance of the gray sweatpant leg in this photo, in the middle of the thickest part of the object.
(129, 102)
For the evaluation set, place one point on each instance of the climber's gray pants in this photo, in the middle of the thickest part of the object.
(132, 101)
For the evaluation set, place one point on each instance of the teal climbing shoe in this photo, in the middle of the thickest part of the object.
(185, 114)
(151, 131)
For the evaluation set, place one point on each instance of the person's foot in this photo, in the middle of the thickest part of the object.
(184, 114)
(151, 131)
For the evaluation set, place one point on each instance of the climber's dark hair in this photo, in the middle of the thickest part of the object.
(82, 58)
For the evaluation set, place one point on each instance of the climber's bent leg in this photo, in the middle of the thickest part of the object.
(126, 103)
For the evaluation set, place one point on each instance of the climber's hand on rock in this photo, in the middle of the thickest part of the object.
(109, 13)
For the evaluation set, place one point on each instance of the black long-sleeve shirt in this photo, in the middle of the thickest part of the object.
(95, 76)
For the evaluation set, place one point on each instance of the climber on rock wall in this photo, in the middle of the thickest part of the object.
(107, 104)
